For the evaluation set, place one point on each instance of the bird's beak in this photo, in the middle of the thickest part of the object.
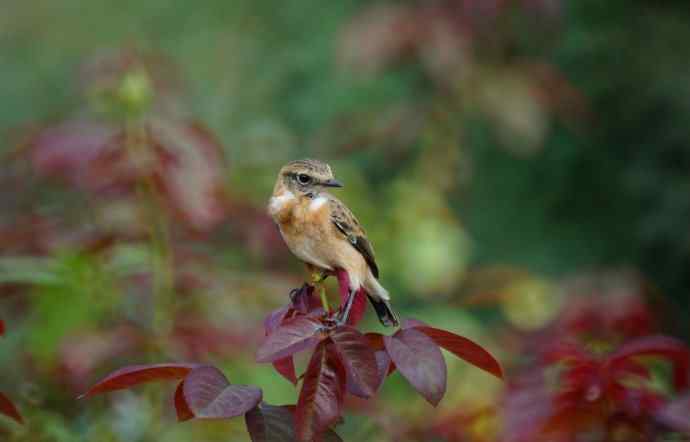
(332, 183)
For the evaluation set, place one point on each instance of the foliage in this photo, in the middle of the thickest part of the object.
(520, 166)
(7, 407)
(343, 361)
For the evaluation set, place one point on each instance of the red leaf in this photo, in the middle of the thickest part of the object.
(343, 284)
(420, 361)
(304, 300)
(68, 149)
(210, 395)
(274, 319)
(359, 304)
(286, 368)
(662, 346)
(568, 352)
(375, 341)
(181, 406)
(2, 327)
(295, 335)
(359, 307)
(676, 415)
(464, 349)
(193, 179)
(358, 358)
(412, 323)
(527, 406)
(8, 409)
(631, 367)
(270, 423)
(138, 374)
(321, 398)
(384, 367)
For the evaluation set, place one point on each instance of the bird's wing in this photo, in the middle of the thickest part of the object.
(348, 225)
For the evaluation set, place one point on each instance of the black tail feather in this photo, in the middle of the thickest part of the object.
(384, 311)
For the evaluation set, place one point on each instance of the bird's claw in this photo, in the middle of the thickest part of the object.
(318, 278)
(339, 322)
(330, 323)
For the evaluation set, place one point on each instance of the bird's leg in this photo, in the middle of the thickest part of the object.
(318, 277)
(345, 314)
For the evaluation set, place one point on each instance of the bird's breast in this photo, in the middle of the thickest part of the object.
(308, 232)
(311, 236)
(308, 242)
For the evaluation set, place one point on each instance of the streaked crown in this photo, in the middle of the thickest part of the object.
(306, 176)
(313, 167)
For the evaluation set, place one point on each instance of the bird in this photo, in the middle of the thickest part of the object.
(323, 233)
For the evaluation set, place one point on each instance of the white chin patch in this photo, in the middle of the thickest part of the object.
(317, 203)
(276, 203)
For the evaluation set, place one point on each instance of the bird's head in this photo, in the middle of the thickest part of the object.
(303, 177)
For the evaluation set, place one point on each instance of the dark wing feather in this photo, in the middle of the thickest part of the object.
(346, 222)
(364, 247)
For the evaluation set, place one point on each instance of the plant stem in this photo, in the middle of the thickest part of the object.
(318, 279)
(156, 222)
(324, 300)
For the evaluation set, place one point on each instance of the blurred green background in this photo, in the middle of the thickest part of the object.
(493, 150)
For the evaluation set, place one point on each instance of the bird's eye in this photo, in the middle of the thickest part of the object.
(303, 178)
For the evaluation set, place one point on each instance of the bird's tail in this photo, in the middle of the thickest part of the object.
(384, 311)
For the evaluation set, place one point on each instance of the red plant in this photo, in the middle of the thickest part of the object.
(607, 393)
(6, 405)
(676, 415)
(149, 141)
(344, 361)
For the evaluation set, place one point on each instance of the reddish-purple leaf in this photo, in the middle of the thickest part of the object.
(662, 346)
(383, 367)
(632, 367)
(270, 423)
(412, 323)
(190, 170)
(2, 327)
(8, 409)
(181, 406)
(375, 341)
(676, 415)
(295, 335)
(527, 406)
(67, 150)
(464, 349)
(420, 361)
(138, 374)
(323, 390)
(274, 319)
(343, 284)
(358, 358)
(359, 307)
(286, 368)
(304, 300)
(210, 396)
(563, 351)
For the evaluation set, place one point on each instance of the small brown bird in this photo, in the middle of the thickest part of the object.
(323, 233)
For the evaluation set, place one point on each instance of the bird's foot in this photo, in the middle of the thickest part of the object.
(319, 277)
(340, 320)
(344, 314)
